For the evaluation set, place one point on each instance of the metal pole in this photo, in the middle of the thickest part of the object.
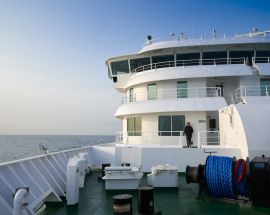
(199, 141)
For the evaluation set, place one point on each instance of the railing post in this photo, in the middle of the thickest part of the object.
(199, 141)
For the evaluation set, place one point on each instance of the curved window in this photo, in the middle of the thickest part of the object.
(263, 53)
(213, 58)
(262, 56)
(162, 61)
(120, 67)
(237, 57)
(139, 63)
(188, 59)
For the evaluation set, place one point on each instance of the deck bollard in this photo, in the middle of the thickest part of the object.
(146, 200)
(122, 204)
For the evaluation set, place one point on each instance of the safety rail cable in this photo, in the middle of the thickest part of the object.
(219, 178)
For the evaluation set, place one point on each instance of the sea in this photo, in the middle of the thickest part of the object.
(14, 147)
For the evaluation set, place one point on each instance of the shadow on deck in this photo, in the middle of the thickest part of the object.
(94, 200)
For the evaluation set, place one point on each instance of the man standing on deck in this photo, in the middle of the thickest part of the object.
(188, 132)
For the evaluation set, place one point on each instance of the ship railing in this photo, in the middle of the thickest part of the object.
(157, 138)
(175, 93)
(256, 60)
(246, 91)
(211, 138)
(189, 62)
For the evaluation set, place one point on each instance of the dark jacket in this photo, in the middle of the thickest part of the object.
(188, 131)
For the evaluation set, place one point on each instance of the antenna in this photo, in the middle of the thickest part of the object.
(214, 34)
(149, 39)
(254, 30)
(182, 35)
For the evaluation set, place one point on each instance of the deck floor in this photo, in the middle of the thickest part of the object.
(95, 200)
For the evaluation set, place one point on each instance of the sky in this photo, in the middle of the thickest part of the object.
(53, 79)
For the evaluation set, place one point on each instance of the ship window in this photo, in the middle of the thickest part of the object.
(263, 53)
(181, 89)
(171, 125)
(236, 57)
(162, 61)
(139, 63)
(265, 87)
(152, 91)
(188, 59)
(134, 126)
(262, 56)
(213, 58)
(120, 67)
(131, 95)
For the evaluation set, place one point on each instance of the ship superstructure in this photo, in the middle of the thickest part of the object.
(169, 83)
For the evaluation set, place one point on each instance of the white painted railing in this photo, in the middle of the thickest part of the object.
(245, 91)
(44, 175)
(256, 60)
(208, 138)
(191, 62)
(176, 93)
(138, 137)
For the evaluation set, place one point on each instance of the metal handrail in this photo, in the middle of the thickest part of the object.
(191, 62)
(245, 91)
(177, 93)
(124, 137)
(208, 138)
(260, 60)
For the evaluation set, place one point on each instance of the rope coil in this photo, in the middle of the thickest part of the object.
(220, 180)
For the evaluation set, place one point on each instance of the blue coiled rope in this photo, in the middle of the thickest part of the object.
(219, 178)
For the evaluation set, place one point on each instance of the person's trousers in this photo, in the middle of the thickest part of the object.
(188, 141)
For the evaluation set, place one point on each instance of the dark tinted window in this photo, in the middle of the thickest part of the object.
(237, 57)
(138, 63)
(212, 58)
(178, 124)
(171, 125)
(188, 59)
(162, 61)
(262, 53)
(120, 67)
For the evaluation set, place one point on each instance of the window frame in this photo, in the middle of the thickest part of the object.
(184, 90)
(133, 122)
(172, 131)
(149, 95)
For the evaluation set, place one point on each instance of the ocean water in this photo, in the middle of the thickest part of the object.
(13, 147)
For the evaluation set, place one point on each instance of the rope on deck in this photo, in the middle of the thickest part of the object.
(220, 180)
